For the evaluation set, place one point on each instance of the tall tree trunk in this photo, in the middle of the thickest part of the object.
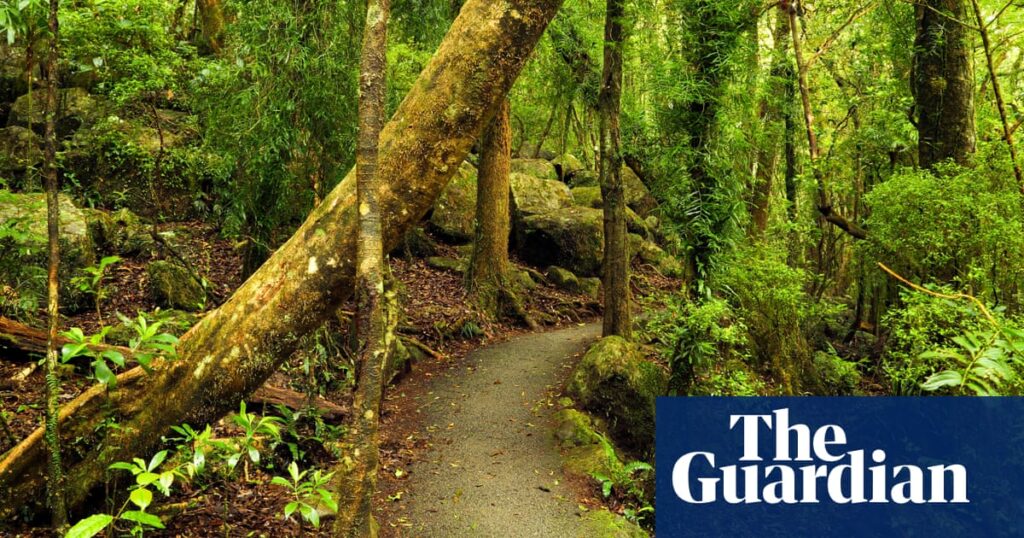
(615, 277)
(487, 279)
(359, 467)
(235, 348)
(211, 24)
(998, 93)
(771, 112)
(55, 478)
(943, 83)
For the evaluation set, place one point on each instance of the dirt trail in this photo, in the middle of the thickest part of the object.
(493, 468)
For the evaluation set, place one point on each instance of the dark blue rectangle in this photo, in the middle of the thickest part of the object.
(932, 435)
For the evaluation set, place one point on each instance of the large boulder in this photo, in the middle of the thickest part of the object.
(120, 232)
(76, 108)
(570, 237)
(638, 197)
(455, 210)
(173, 286)
(534, 167)
(533, 195)
(615, 382)
(566, 166)
(23, 248)
(117, 159)
(21, 151)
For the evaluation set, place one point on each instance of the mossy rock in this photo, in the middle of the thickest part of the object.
(593, 458)
(571, 237)
(588, 197)
(454, 214)
(121, 232)
(523, 279)
(533, 195)
(591, 287)
(538, 168)
(662, 261)
(584, 178)
(839, 377)
(173, 286)
(117, 160)
(638, 196)
(575, 428)
(604, 524)
(76, 109)
(444, 263)
(21, 157)
(25, 266)
(566, 166)
(615, 382)
(562, 279)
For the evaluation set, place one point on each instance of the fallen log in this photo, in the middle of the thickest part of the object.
(20, 343)
(270, 395)
(235, 348)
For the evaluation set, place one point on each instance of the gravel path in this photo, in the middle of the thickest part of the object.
(493, 468)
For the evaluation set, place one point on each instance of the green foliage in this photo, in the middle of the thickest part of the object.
(91, 282)
(81, 345)
(148, 477)
(778, 313)
(281, 105)
(309, 491)
(19, 281)
(984, 364)
(127, 49)
(839, 377)
(921, 325)
(956, 226)
(692, 337)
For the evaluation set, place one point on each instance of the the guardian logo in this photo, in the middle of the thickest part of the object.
(810, 467)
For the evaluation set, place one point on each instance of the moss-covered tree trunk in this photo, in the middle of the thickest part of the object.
(772, 108)
(235, 348)
(358, 468)
(615, 270)
(55, 479)
(211, 24)
(943, 83)
(487, 279)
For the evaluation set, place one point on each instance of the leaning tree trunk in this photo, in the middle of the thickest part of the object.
(235, 348)
(943, 83)
(487, 277)
(358, 468)
(617, 320)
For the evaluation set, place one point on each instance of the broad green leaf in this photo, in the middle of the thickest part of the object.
(947, 378)
(143, 518)
(90, 526)
(141, 497)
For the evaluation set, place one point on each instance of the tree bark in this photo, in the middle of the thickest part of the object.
(55, 478)
(943, 84)
(358, 468)
(211, 24)
(487, 275)
(771, 113)
(615, 277)
(235, 348)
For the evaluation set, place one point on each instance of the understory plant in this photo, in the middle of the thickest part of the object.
(310, 491)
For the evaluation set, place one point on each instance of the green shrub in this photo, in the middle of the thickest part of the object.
(839, 377)
(778, 313)
(692, 337)
(923, 324)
